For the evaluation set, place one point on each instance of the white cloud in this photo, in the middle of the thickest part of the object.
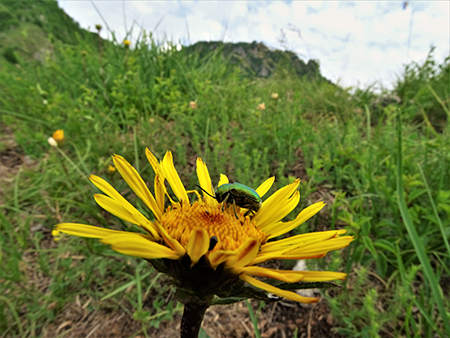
(142, 7)
(354, 41)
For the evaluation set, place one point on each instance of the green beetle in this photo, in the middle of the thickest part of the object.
(239, 195)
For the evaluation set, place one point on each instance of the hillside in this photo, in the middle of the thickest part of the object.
(27, 29)
(257, 60)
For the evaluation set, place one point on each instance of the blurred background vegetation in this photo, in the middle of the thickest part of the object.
(342, 142)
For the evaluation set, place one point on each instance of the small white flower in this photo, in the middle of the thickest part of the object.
(52, 142)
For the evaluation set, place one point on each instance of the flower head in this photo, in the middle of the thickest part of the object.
(211, 248)
(52, 142)
(127, 43)
(57, 137)
(261, 106)
(193, 104)
(98, 27)
(274, 96)
(111, 169)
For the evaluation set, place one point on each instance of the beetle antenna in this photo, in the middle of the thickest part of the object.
(207, 193)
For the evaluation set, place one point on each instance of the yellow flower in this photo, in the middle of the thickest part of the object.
(193, 104)
(261, 106)
(111, 169)
(127, 43)
(58, 136)
(274, 96)
(205, 246)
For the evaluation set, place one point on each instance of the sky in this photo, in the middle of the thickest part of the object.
(357, 43)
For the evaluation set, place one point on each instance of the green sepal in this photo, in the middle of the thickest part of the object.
(305, 285)
(246, 292)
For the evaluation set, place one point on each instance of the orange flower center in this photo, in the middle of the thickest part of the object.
(231, 232)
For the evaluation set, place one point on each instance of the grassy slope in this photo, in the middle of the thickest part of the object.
(341, 145)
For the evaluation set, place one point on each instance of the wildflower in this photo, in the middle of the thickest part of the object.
(58, 136)
(111, 169)
(98, 27)
(44, 102)
(127, 43)
(83, 52)
(193, 104)
(52, 142)
(261, 106)
(210, 249)
(274, 96)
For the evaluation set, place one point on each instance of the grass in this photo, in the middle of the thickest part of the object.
(393, 193)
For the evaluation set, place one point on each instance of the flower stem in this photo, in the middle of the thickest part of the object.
(192, 319)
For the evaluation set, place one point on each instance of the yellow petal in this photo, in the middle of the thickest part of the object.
(217, 257)
(223, 180)
(322, 276)
(169, 241)
(276, 291)
(244, 254)
(173, 178)
(115, 208)
(137, 184)
(83, 230)
(290, 276)
(274, 202)
(322, 247)
(205, 182)
(198, 244)
(281, 228)
(264, 188)
(280, 212)
(298, 240)
(262, 258)
(118, 210)
(283, 275)
(133, 244)
(313, 250)
(154, 163)
(111, 192)
(160, 192)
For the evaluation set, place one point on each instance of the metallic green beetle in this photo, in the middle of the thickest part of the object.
(239, 195)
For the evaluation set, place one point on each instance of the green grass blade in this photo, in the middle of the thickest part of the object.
(253, 319)
(125, 286)
(436, 214)
(415, 239)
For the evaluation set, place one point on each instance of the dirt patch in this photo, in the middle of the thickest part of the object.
(12, 157)
(76, 320)
(276, 320)
(298, 169)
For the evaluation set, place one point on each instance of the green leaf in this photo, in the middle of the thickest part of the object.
(369, 245)
(202, 334)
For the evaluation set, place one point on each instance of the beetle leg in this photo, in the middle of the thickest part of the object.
(248, 212)
(225, 201)
(234, 209)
